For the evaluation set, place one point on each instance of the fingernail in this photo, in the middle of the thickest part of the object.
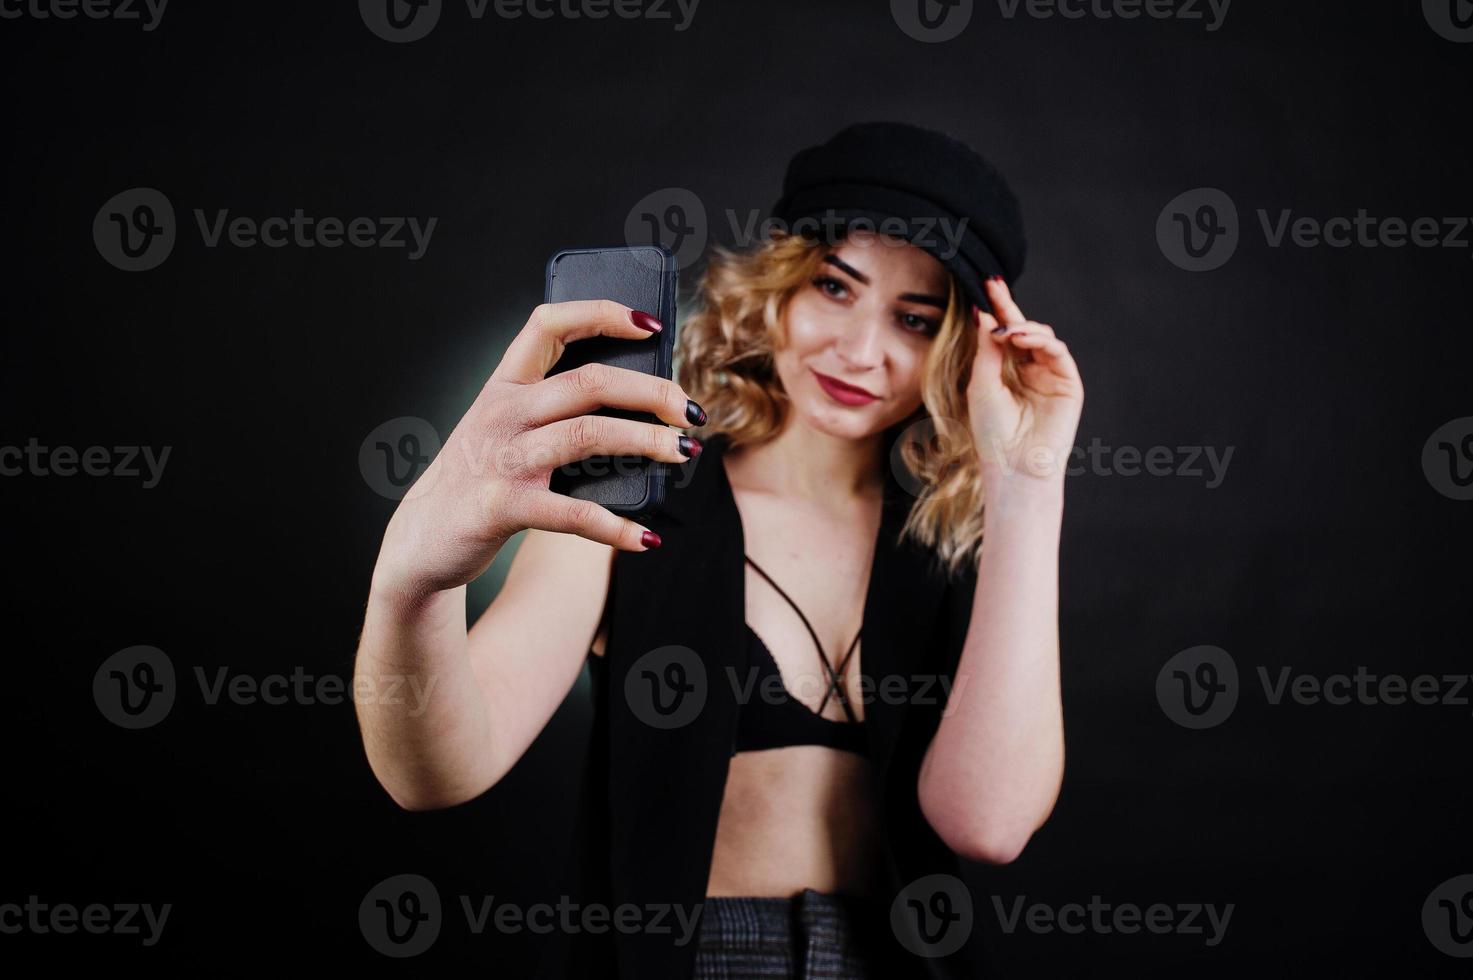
(644, 321)
(689, 448)
(694, 413)
(994, 278)
(1001, 329)
(649, 539)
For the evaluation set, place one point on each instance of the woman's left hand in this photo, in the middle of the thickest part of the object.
(1024, 436)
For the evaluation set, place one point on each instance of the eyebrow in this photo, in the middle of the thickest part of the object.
(925, 300)
(835, 260)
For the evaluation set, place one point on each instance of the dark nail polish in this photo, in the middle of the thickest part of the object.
(649, 539)
(689, 448)
(1000, 329)
(644, 321)
(994, 278)
(694, 414)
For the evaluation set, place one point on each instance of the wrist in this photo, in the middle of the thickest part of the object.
(1024, 495)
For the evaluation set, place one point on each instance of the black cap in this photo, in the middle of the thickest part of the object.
(915, 183)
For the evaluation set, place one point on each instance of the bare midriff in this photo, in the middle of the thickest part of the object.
(796, 817)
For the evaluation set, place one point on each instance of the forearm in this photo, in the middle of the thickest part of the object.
(420, 709)
(993, 770)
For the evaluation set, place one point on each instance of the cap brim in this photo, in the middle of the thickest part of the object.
(966, 257)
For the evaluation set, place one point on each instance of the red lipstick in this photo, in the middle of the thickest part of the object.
(844, 393)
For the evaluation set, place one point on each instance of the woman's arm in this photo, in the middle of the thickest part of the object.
(993, 770)
(996, 762)
(443, 713)
(464, 707)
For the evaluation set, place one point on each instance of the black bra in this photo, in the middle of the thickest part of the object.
(768, 722)
(771, 722)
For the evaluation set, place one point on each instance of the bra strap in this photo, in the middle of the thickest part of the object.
(835, 684)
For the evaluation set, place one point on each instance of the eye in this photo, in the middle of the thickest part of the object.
(915, 323)
(831, 287)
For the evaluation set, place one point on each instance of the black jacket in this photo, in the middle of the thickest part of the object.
(653, 793)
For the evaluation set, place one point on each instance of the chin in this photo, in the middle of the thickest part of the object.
(838, 421)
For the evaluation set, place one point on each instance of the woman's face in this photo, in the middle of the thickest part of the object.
(858, 334)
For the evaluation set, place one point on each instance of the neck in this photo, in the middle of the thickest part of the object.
(802, 463)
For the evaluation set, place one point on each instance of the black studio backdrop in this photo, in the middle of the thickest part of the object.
(1329, 382)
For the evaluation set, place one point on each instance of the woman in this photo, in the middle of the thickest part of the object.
(802, 803)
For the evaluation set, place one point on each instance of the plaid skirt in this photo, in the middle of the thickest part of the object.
(811, 936)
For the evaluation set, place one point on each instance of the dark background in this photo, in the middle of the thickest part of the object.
(1324, 549)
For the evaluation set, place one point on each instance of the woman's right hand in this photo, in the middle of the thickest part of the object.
(491, 478)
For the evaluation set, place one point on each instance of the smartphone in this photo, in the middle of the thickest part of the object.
(642, 277)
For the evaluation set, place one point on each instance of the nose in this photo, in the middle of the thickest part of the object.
(860, 345)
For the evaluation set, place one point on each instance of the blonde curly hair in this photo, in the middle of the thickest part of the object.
(724, 360)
